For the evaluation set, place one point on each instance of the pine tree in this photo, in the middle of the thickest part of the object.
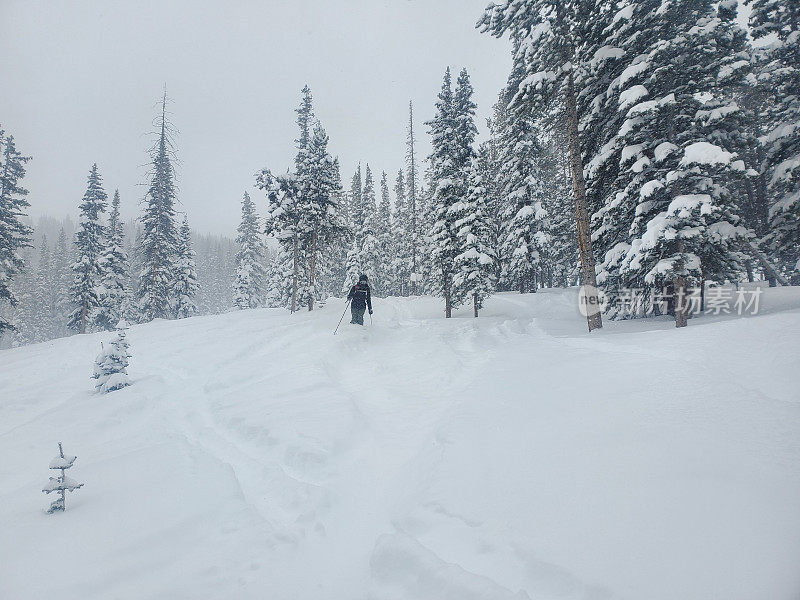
(250, 272)
(322, 224)
(453, 132)
(674, 185)
(87, 283)
(45, 312)
(779, 73)
(115, 297)
(14, 234)
(548, 36)
(159, 232)
(370, 250)
(62, 283)
(185, 286)
(473, 266)
(111, 364)
(414, 229)
(383, 221)
(353, 259)
(401, 259)
(303, 212)
(283, 221)
(525, 231)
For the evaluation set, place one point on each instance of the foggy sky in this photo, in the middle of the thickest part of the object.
(80, 82)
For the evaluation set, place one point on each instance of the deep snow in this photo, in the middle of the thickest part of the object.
(511, 456)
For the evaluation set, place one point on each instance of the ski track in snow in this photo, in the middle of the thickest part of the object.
(513, 456)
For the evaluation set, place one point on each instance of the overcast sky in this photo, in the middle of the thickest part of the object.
(80, 81)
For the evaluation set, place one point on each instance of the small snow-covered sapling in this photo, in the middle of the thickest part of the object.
(110, 366)
(62, 483)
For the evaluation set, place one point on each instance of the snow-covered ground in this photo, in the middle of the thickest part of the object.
(513, 456)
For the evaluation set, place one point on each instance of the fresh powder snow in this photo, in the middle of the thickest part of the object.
(255, 455)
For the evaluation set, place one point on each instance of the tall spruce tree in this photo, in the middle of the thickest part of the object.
(370, 251)
(384, 225)
(674, 186)
(322, 224)
(401, 259)
(45, 317)
(115, 295)
(159, 232)
(14, 234)
(250, 285)
(549, 37)
(525, 232)
(86, 287)
(453, 132)
(779, 73)
(473, 266)
(414, 237)
(62, 282)
(185, 286)
(353, 259)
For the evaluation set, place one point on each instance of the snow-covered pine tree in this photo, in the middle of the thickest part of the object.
(111, 364)
(400, 259)
(115, 295)
(14, 234)
(45, 320)
(185, 285)
(159, 231)
(353, 258)
(383, 225)
(547, 33)
(86, 287)
(415, 231)
(525, 231)
(25, 314)
(249, 288)
(283, 221)
(673, 183)
(62, 282)
(279, 279)
(488, 162)
(562, 259)
(473, 266)
(62, 483)
(453, 132)
(334, 264)
(321, 222)
(370, 251)
(779, 73)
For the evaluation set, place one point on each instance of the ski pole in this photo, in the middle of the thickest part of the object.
(370, 318)
(342, 317)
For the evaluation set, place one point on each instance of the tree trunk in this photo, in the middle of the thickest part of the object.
(448, 308)
(311, 265)
(83, 317)
(294, 276)
(475, 304)
(681, 302)
(581, 211)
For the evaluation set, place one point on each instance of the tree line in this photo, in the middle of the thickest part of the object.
(637, 144)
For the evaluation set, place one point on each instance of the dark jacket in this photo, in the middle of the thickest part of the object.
(360, 295)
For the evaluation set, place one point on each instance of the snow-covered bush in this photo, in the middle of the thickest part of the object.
(62, 483)
(110, 366)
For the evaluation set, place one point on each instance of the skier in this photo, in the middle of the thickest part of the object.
(361, 299)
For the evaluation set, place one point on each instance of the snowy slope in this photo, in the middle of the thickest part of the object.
(512, 456)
